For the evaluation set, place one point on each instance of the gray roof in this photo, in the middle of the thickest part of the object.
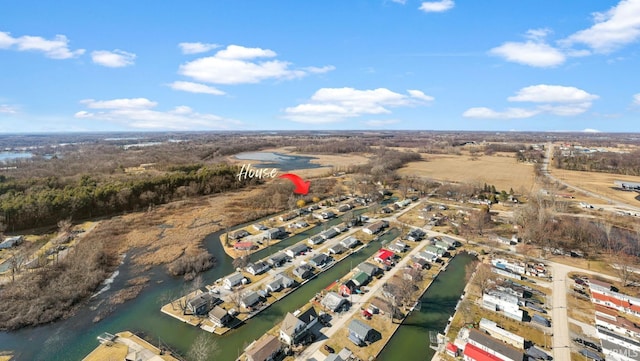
(290, 324)
(297, 248)
(264, 348)
(368, 268)
(332, 301)
(359, 328)
(279, 256)
(349, 241)
(251, 298)
(235, 277)
(496, 345)
(218, 313)
(319, 259)
(338, 248)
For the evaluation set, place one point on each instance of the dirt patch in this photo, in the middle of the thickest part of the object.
(600, 183)
(505, 172)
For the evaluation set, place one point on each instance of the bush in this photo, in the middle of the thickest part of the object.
(190, 265)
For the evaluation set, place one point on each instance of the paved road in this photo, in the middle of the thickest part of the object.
(561, 339)
(339, 320)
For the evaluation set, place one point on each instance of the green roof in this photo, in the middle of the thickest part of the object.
(360, 278)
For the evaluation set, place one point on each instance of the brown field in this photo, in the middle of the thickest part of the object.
(502, 171)
(600, 183)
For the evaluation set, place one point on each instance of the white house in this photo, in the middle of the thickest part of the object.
(257, 267)
(502, 302)
(501, 334)
(295, 325)
(233, 280)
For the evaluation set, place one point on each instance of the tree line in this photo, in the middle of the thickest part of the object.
(37, 202)
(606, 162)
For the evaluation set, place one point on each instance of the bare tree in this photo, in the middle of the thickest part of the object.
(241, 262)
(236, 297)
(484, 276)
(624, 266)
(479, 220)
(469, 269)
(203, 348)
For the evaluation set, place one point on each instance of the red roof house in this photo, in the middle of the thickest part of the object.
(452, 350)
(473, 353)
(385, 256)
(243, 246)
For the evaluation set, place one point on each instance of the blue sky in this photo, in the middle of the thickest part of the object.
(523, 65)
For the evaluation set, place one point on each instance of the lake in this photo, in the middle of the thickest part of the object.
(8, 156)
(284, 162)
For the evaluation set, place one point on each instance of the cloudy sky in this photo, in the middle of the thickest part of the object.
(320, 64)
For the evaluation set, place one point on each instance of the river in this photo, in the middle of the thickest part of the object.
(437, 304)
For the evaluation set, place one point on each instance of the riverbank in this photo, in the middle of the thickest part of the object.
(122, 344)
(231, 299)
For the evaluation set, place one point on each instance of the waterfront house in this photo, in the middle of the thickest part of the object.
(274, 286)
(219, 316)
(241, 233)
(385, 256)
(303, 271)
(515, 267)
(233, 280)
(415, 235)
(202, 303)
(296, 250)
(268, 348)
(299, 224)
(275, 233)
(442, 245)
(541, 320)
(315, 240)
(11, 242)
(342, 227)
(347, 288)
(257, 267)
(360, 333)
(260, 227)
(361, 279)
(277, 259)
(375, 227)
(337, 249)
(344, 207)
(350, 242)
(295, 326)
(333, 302)
(506, 273)
(501, 334)
(244, 246)
(320, 260)
(473, 353)
(497, 348)
(451, 350)
(250, 299)
(329, 233)
(609, 318)
(288, 216)
(368, 268)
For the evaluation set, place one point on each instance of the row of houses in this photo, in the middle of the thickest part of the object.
(618, 335)
(504, 303)
(480, 346)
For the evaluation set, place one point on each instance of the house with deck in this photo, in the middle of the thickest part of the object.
(219, 316)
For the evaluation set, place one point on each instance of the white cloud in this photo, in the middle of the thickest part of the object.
(337, 104)
(123, 103)
(532, 52)
(191, 87)
(320, 70)
(380, 122)
(437, 6)
(196, 48)
(509, 113)
(57, 48)
(8, 109)
(551, 99)
(590, 130)
(636, 98)
(543, 93)
(139, 113)
(113, 59)
(400, 1)
(613, 29)
(241, 65)
(538, 34)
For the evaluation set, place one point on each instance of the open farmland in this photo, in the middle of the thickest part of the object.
(502, 171)
(600, 183)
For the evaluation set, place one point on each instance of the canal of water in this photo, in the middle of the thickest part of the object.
(75, 337)
(411, 341)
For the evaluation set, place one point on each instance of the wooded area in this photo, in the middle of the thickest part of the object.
(607, 162)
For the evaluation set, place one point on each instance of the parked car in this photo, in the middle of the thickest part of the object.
(329, 349)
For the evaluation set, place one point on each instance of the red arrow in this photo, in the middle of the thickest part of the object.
(302, 187)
